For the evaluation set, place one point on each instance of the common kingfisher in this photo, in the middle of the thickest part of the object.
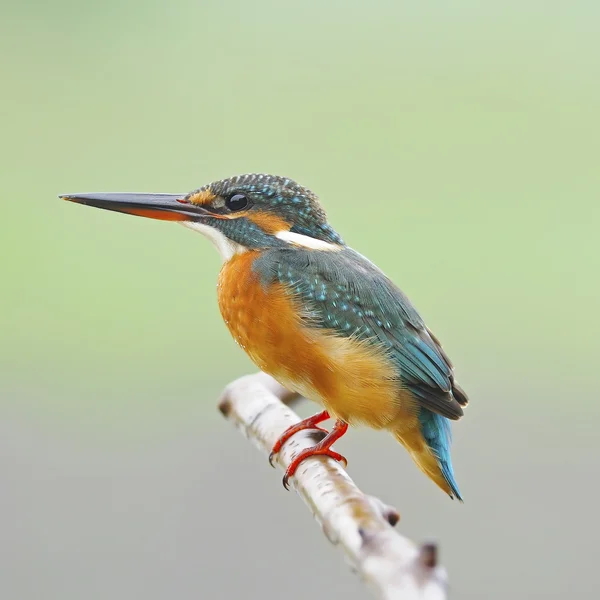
(318, 316)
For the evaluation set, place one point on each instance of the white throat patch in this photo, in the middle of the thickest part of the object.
(227, 249)
(305, 241)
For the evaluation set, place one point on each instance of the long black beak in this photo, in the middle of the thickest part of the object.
(166, 207)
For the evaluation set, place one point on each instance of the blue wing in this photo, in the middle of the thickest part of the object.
(345, 292)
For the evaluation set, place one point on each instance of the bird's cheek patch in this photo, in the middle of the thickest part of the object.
(269, 223)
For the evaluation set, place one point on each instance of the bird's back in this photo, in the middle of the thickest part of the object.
(345, 294)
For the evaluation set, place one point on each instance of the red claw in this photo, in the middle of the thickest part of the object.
(310, 423)
(323, 448)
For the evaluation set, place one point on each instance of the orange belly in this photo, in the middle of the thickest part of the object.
(355, 381)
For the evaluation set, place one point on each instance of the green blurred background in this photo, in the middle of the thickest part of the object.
(456, 144)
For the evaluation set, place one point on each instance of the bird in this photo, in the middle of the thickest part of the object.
(317, 316)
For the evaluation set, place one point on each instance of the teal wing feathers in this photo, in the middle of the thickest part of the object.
(344, 292)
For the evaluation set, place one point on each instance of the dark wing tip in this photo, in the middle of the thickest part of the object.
(459, 394)
(437, 401)
(452, 410)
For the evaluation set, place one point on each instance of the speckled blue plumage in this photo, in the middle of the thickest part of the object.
(281, 196)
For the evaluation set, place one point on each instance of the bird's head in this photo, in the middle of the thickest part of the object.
(240, 213)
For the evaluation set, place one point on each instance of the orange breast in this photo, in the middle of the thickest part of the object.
(354, 380)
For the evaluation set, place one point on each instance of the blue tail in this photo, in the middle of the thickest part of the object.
(438, 436)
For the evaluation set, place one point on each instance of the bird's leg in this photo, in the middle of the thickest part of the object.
(310, 423)
(323, 448)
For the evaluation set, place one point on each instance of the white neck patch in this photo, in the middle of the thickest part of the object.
(227, 248)
(305, 241)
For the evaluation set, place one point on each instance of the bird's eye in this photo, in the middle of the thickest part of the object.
(236, 202)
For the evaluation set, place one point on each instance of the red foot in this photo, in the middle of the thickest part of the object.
(310, 423)
(323, 448)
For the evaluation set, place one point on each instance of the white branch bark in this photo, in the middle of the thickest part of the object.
(393, 567)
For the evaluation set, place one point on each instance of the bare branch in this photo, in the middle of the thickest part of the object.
(392, 566)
